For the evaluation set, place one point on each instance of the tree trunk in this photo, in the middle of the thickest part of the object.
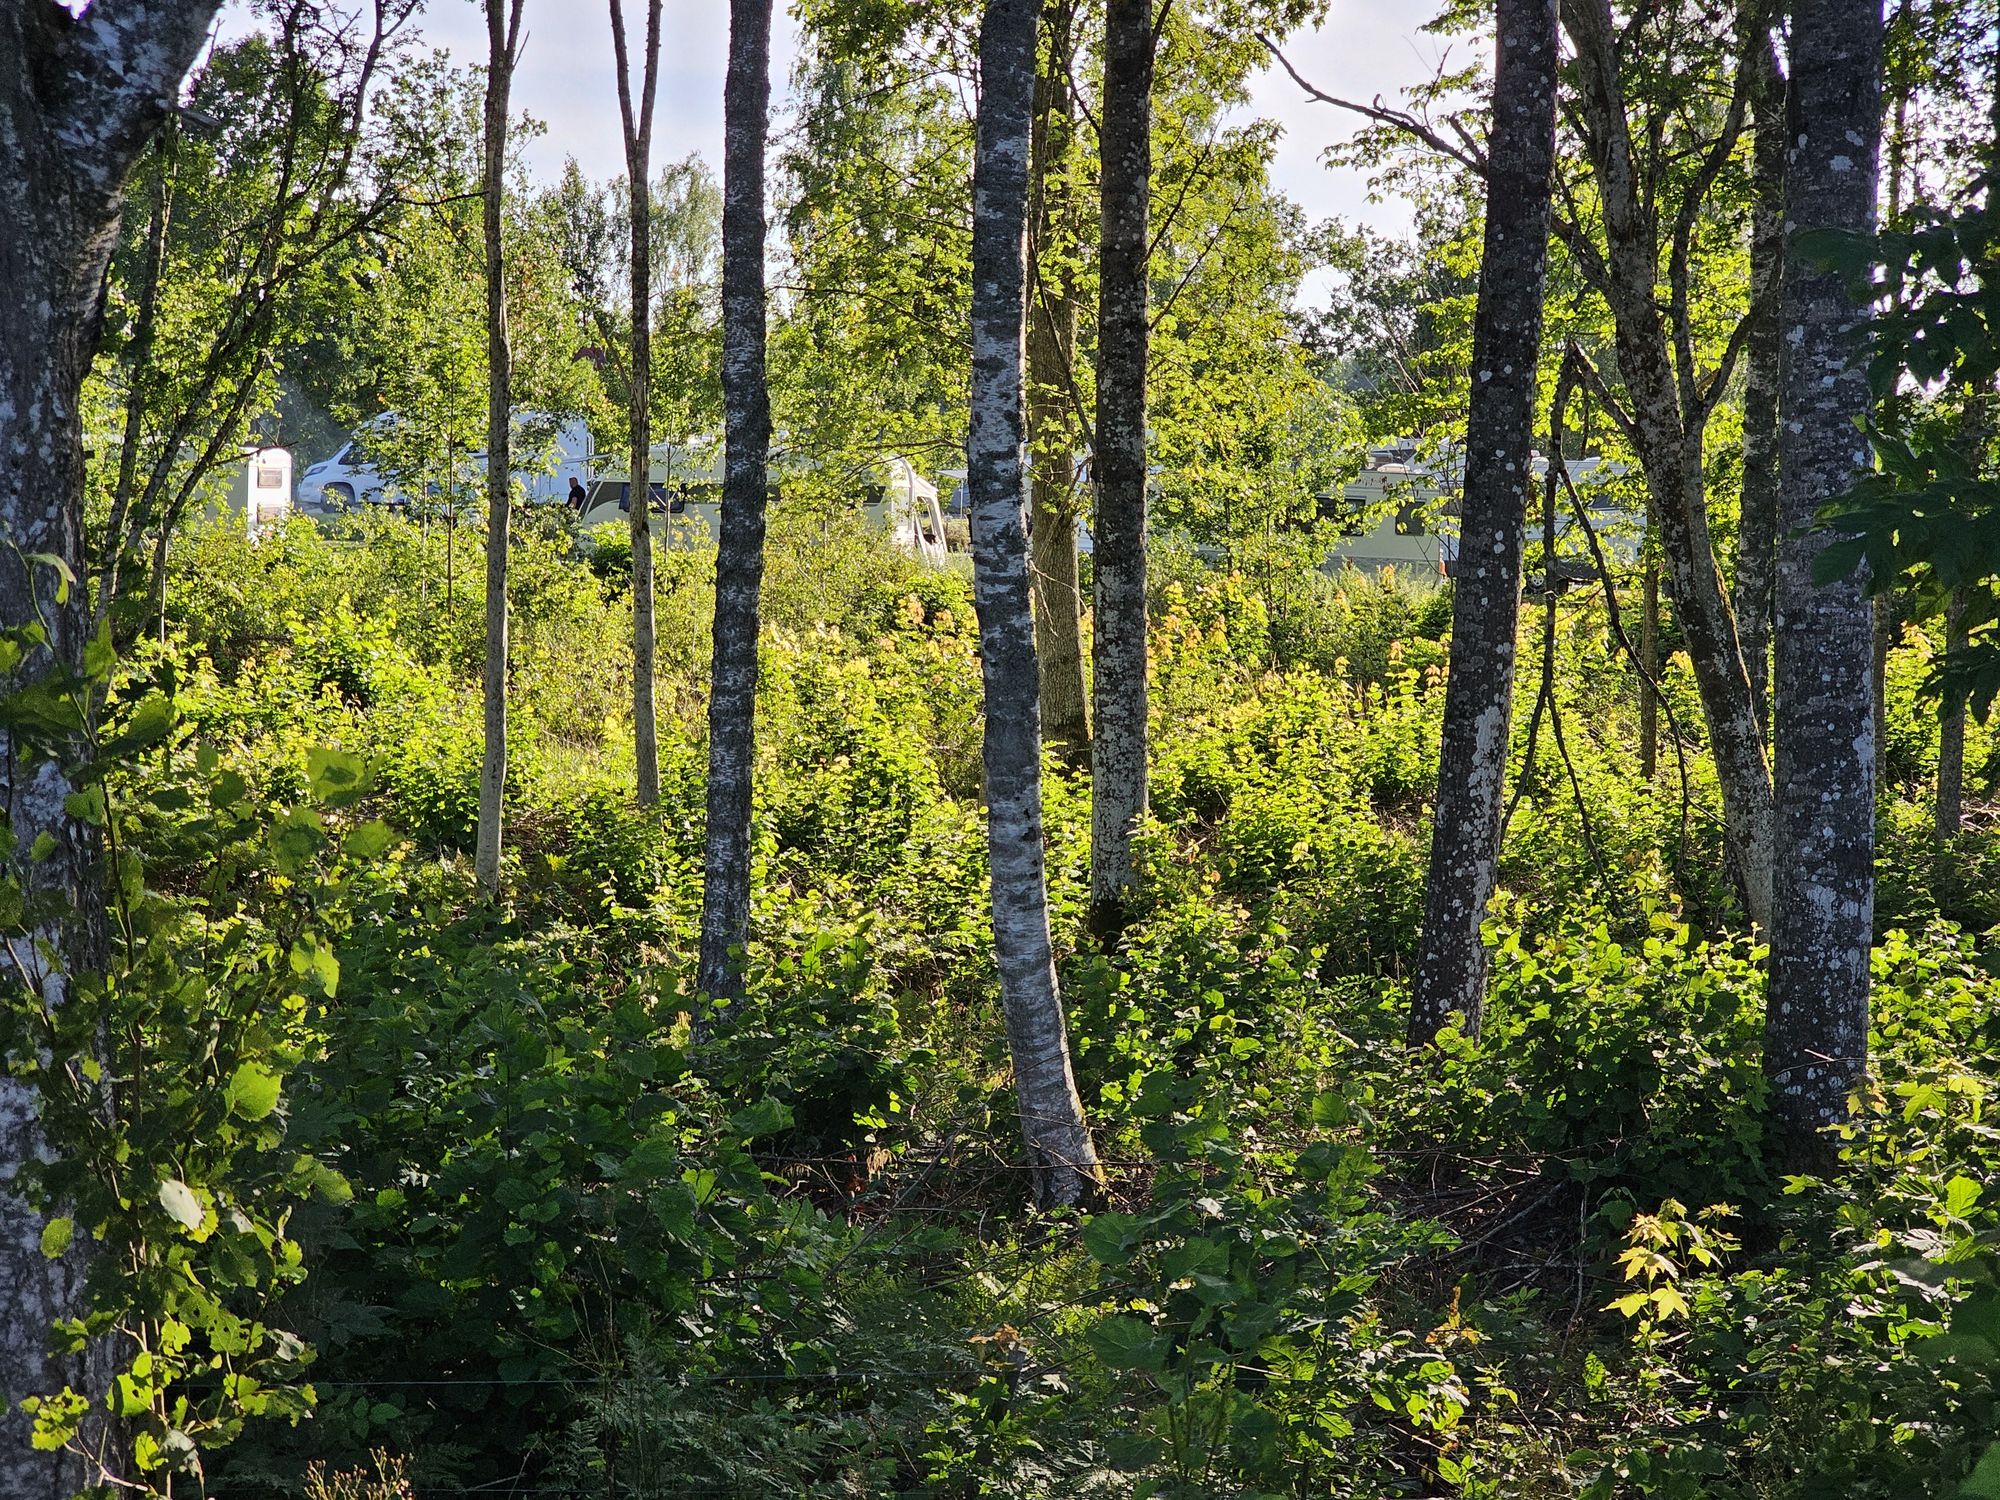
(1649, 653)
(1062, 1159)
(1816, 1036)
(79, 98)
(1486, 599)
(637, 121)
(1051, 425)
(503, 29)
(1119, 750)
(1950, 811)
(739, 561)
(1669, 407)
(1757, 538)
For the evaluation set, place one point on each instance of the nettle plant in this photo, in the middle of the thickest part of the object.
(161, 1073)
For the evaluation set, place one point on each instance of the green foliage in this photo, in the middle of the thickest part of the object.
(162, 1078)
(584, 1245)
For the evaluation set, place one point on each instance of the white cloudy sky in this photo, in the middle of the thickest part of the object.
(1366, 47)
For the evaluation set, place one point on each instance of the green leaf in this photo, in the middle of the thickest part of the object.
(765, 1117)
(1110, 1238)
(252, 1092)
(149, 723)
(1122, 1342)
(1331, 1110)
(178, 1199)
(86, 806)
(338, 777)
(314, 961)
(369, 841)
(56, 1237)
(1960, 1194)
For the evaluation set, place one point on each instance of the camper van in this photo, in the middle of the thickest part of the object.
(260, 489)
(686, 499)
(1405, 511)
(351, 476)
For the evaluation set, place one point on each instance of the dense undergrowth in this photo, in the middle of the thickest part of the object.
(526, 1234)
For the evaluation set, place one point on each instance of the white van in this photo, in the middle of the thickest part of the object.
(350, 477)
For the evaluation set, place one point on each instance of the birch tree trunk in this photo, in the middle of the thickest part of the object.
(503, 31)
(1816, 1036)
(79, 98)
(637, 120)
(1051, 426)
(1062, 1159)
(1669, 405)
(1757, 544)
(1499, 476)
(1120, 748)
(739, 560)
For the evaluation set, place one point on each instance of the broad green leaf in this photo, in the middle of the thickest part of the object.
(1331, 1110)
(1123, 1342)
(1960, 1194)
(252, 1092)
(1110, 1237)
(765, 1117)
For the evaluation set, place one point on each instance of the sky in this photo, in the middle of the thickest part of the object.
(1365, 48)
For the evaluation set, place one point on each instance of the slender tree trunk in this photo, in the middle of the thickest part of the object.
(145, 332)
(1669, 407)
(1063, 1161)
(637, 121)
(1816, 1037)
(79, 98)
(1649, 653)
(1757, 541)
(503, 30)
(1119, 750)
(1499, 477)
(1950, 811)
(739, 560)
(1051, 425)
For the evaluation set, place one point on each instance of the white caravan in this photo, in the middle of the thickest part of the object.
(687, 500)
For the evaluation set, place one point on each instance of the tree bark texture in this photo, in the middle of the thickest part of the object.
(1757, 534)
(739, 560)
(1816, 1037)
(1120, 748)
(1669, 406)
(1051, 386)
(1499, 478)
(638, 129)
(1062, 1159)
(503, 29)
(79, 98)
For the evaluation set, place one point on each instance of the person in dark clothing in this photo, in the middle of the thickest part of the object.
(577, 499)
